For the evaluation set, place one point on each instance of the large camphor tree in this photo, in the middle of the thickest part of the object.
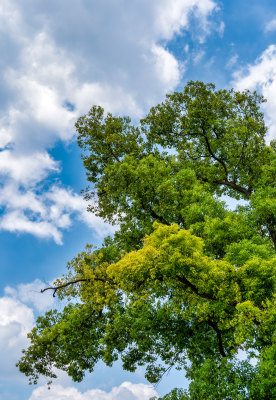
(185, 281)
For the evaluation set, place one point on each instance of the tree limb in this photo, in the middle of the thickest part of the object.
(184, 280)
(153, 214)
(218, 332)
(219, 160)
(272, 231)
(232, 185)
(55, 288)
(158, 217)
(112, 153)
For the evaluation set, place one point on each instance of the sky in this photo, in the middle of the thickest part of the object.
(58, 58)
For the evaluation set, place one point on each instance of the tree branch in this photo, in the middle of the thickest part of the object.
(218, 332)
(55, 288)
(233, 185)
(159, 217)
(184, 280)
(272, 231)
(112, 153)
(153, 214)
(219, 160)
(168, 369)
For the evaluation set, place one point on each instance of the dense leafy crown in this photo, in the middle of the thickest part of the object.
(185, 281)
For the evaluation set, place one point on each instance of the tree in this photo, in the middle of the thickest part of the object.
(185, 281)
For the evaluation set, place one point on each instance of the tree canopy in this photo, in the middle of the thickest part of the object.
(185, 281)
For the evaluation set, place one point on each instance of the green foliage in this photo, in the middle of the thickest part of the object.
(185, 281)
(175, 394)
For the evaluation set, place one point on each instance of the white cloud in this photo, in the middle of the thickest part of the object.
(126, 391)
(198, 56)
(9, 17)
(221, 28)
(46, 214)
(29, 293)
(172, 16)
(16, 320)
(16, 221)
(166, 66)
(17, 309)
(261, 76)
(26, 169)
(60, 58)
(232, 61)
(65, 201)
(271, 26)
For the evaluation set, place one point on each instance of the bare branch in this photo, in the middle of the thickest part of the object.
(167, 371)
(55, 288)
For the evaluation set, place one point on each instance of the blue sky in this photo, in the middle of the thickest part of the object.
(58, 58)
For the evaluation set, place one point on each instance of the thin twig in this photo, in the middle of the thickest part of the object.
(55, 288)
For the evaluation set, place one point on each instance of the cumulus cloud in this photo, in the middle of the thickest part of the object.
(126, 391)
(16, 320)
(261, 76)
(60, 58)
(24, 169)
(18, 308)
(29, 294)
(45, 214)
(172, 16)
